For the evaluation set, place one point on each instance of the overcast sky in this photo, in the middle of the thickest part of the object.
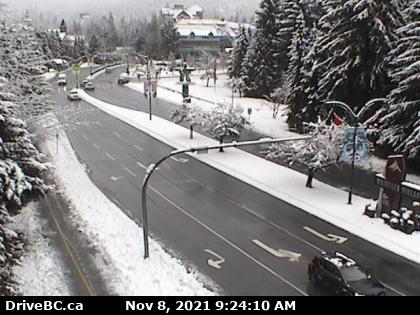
(140, 7)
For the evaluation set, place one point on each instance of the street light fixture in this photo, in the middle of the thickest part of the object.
(203, 149)
(356, 123)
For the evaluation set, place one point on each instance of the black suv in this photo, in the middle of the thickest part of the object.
(342, 275)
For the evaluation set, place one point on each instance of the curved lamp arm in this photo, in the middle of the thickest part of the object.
(346, 108)
(369, 105)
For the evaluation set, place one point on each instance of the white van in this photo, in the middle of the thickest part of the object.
(62, 79)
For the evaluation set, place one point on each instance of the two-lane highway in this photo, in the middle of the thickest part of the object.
(245, 240)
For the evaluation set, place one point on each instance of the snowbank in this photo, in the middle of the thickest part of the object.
(261, 117)
(323, 201)
(41, 272)
(48, 76)
(97, 74)
(118, 240)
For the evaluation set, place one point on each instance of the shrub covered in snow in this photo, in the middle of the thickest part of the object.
(322, 150)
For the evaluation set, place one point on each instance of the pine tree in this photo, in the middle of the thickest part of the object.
(263, 64)
(355, 38)
(170, 38)
(240, 48)
(21, 165)
(296, 32)
(400, 127)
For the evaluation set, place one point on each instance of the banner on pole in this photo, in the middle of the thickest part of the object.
(361, 146)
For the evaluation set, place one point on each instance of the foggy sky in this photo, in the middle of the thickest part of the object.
(126, 7)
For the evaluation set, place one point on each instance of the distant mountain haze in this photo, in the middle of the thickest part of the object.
(141, 8)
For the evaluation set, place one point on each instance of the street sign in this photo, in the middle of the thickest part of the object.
(75, 69)
(390, 194)
(361, 145)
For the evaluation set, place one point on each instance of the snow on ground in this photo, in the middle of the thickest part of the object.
(262, 120)
(50, 75)
(42, 271)
(117, 239)
(95, 75)
(323, 201)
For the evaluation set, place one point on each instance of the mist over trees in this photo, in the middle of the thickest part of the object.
(51, 10)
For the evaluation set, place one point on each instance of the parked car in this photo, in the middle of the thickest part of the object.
(89, 86)
(73, 95)
(342, 276)
(123, 79)
(62, 79)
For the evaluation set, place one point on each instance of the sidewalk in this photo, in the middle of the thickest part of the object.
(324, 201)
(261, 119)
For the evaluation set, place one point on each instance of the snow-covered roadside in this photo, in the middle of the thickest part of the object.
(41, 271)
(116, 238)
(324, 201)
(261, 118)
(95, 75)
(49, 76)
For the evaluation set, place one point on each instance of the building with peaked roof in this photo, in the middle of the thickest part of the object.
(179, 12)
(206, 35)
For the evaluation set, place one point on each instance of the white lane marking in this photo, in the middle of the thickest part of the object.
(84, 137)
(141, 165)
(98, 123)
(110, 156)
(138, 148)
(118, 135)
(129, 213)
(96, 146)
(246, 209)
(179, 160)
(392, 289)
(215, 263)
(116, 178)
(256, 261)
(280, 253)
(329, 238)
(130, 172)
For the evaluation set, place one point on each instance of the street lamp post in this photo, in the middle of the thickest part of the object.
(356, 123)
(148, 82)
(199, 150)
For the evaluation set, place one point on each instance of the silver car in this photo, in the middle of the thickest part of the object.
(73, 95)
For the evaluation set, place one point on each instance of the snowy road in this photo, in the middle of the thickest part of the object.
(214, 220)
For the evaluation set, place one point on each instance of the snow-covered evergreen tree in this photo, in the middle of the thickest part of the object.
(400, 127)
(239, 51)
(22, 95)
(264, 62)
(321, 151)
(355, 38)
(298, 48)
(170, 38)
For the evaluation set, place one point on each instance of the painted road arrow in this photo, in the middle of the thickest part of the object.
(215, 263)
(115, 178)
(330, 237)
(280, 253)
